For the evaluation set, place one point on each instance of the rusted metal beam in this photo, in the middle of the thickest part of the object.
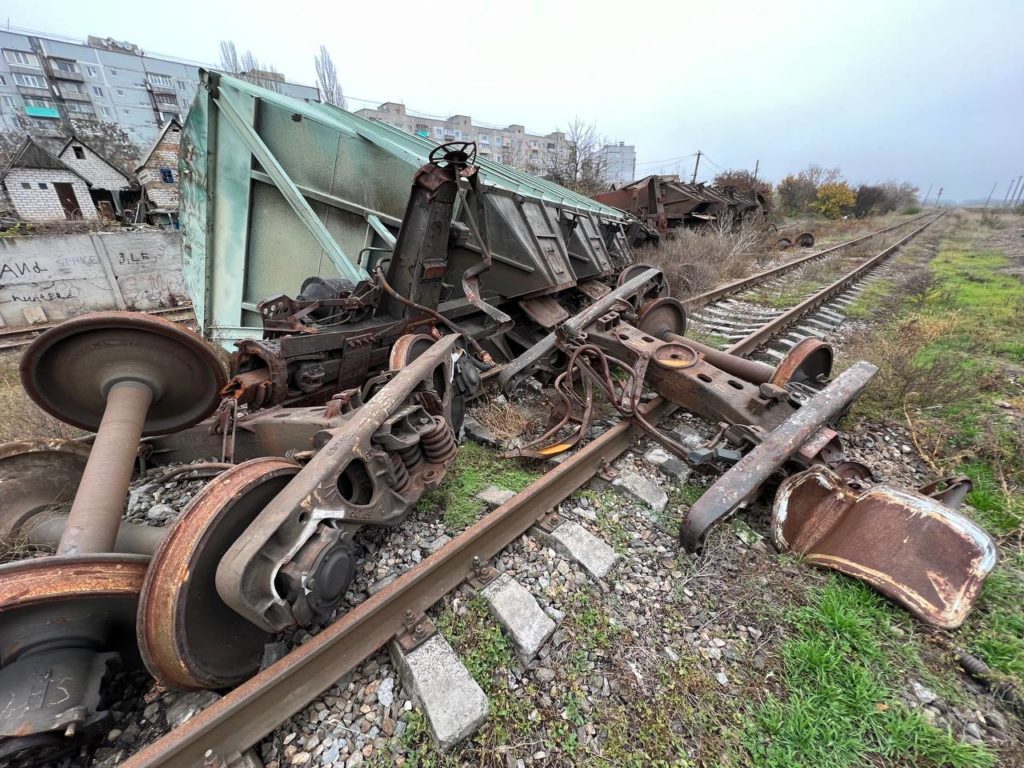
(768, 330)
(739, 485)
(255, 708)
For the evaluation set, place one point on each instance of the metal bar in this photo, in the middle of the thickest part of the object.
(768, 330)
(509, 376)
(332, 200)
(739, 485)
(288, 190)
(96, 511)
(745, 282)
(251, 711)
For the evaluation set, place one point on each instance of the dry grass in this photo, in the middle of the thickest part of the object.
(696, 260)
(503, 419)
(907, 371)
(20, 418)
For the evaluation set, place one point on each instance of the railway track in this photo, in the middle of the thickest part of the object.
(17, 338)
(221, 734)
(741, 327)
(773, 276)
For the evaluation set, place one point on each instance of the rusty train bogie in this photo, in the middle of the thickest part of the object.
(339, 418)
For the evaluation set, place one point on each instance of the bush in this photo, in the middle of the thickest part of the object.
(695, 260)
(834, 199)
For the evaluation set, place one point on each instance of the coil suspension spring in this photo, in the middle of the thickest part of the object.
(439, 443)
(401, 473)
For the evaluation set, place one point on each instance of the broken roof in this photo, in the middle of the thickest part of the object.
(159, 137)
(33, 155)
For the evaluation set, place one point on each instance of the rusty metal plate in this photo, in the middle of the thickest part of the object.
(909, 547)
(544, 311)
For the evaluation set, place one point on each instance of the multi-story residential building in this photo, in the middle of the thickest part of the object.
(511, 145)
(52, 80)
(619, 163)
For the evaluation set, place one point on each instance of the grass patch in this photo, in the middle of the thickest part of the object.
(998, 623)
(475, 468)
(841, 708)
(872, 295)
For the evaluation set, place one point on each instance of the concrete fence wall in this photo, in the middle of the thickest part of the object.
(48, 278)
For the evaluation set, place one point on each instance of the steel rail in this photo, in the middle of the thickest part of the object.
(13, 338)
(248, 713)
(745, 282)
(772, 328)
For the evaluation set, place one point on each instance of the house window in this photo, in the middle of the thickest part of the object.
(64, 66)
(105, 111)
(120, 92)
(80, 108)
(97, 91)
(91, 71)
(79, 153)
(497, 141)
(438, 131)
(113, 73)
(42, 185)
(166, 175)
(126, 111)
(162, 80)
(167, 98)
(26, 185)
(67, 88)
(22, 58)
(9, 101)
(3, 80)
(33, 101)
(30, 81)
(182, 85)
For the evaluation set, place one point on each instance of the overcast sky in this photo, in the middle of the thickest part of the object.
(930, 92)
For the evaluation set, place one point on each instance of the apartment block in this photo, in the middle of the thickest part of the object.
(510, 145)
(52, 80)
(619, 163)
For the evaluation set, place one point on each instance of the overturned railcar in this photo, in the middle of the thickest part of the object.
(277, 194)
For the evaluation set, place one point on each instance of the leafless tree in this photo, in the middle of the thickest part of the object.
(327, 80)
(248, 67)
(578, 162)
(108, 140)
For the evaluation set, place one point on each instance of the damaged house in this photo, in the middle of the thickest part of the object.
(111, 189)
(41, 187)
(157, 172)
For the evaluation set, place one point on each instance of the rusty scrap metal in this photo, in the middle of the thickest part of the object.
(908, 546)
(741, 484)
(246, 714)
(351, 481)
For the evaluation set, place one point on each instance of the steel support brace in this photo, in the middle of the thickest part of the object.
(288, 189)
(739, 485)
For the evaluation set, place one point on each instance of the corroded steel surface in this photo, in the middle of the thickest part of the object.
(908, 546)
(246, 714)
(53, 579)
(187, 636)
(68, 369)
(34, 476)
(741, 483)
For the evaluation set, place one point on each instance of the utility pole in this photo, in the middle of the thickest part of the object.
(991, 193)
(757, 166)
(927, 195)
(1014, 189)
(1009, 191)
(938, 197)
(696, 165)
(1020, 196)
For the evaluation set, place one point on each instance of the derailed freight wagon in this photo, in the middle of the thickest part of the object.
(276, 191)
